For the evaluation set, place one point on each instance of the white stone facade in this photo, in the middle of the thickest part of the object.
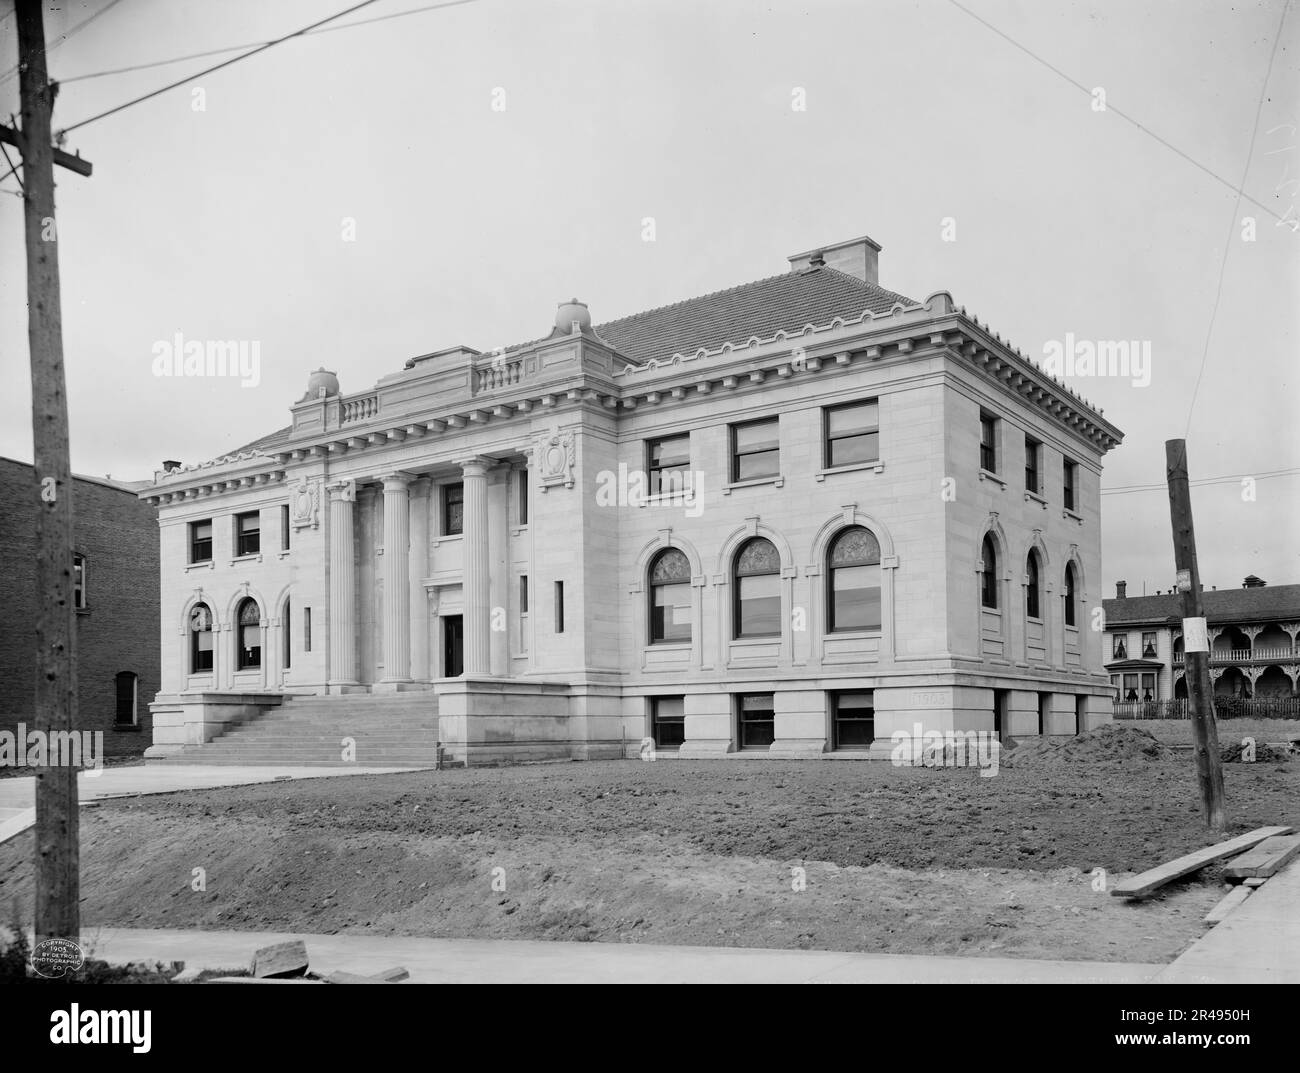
(548, 445)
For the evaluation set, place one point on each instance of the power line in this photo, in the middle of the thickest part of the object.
(251, 44)
(64, 37)
(1111, 108)
(1205, 481)
(1232, 222)
(214, 67)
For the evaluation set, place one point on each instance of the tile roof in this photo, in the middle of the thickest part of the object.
(779, 303)
(1270, 603)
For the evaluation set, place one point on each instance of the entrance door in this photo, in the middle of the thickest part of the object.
(453, 646)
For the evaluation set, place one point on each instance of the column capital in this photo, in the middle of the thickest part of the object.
(342, 491)
(397, 481)
(476, 465)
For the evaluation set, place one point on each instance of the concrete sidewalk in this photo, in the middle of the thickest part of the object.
(18, 795)
(485, 961)
(1258, 942)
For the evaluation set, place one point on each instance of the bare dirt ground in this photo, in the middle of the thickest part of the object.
(897, 859)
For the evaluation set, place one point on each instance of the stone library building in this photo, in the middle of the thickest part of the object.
(794, 518)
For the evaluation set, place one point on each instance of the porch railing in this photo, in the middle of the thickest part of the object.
(1224, 708)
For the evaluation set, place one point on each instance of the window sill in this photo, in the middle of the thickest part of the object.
(446, 537)
(125, 728)
(668, 646)
(989, 475)
(755, 482)
(685, 497)
(282, 554)
(517, 530)
(1068, 513)
(202, 564)
(875, 466)
(991, 610)
(82, 610)
(755, 642)
(251, 557)
(867, 633)
(1035, 497)
(1036, 621)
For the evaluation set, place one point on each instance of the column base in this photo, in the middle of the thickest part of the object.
(345, 687)
(398, 685)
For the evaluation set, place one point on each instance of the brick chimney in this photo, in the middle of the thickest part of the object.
(1121, 590)
(858, 257)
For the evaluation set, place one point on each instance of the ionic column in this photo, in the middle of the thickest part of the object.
(397, 592)
(343, 586)
(477, 565)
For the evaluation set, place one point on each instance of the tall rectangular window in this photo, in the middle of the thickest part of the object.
(79, 581)
(1118, 647)
(1033, 450)
(284, 527)
(201, 541)
(523, 496)
(668, 721)
(248, 533)
(1068, 477)
(523, 594)
(756, 450)
(559, 607)
(668, 462)
(453, 509)
(988, 442)
(854, 719)
(756, 720)
(852, 433)
(1148, 646)
(306, 629)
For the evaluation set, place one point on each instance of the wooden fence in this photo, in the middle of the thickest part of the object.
(1224, 708)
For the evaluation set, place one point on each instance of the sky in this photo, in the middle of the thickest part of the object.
(353, 198)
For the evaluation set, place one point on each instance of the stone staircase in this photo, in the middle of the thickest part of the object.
(390, 730)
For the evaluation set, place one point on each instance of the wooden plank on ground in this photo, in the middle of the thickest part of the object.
(282, 959)
(1254, 882)
(1139, 886)
(393, 975)
(1265, 859)
(352, 978)
(1233, 899)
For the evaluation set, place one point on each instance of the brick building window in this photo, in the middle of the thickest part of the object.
(756, 450)
(201, 541)
(79, 581)
(248, 533)
(852, 433)
(200, 639)
(853, 581)
(1071, 595)
(453, 509)
(125, 683)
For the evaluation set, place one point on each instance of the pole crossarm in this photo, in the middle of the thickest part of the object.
(11, 136)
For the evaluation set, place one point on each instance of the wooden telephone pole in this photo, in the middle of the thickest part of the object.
(58, 881)
(1196, 643)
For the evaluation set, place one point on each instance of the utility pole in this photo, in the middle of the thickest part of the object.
(1196, 643)
(58, 881)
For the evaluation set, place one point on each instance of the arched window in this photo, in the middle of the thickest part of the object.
(1071, 594)
(989, 574)
(1033, 605)
(853, 581)
(757, 609)
(670, 597)
(200, 639)
(248, 622)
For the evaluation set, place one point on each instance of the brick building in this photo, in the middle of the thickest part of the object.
(789, 518)
(116, 562)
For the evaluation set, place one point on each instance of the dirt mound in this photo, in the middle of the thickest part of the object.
(1264, 753)
(1111, 741)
